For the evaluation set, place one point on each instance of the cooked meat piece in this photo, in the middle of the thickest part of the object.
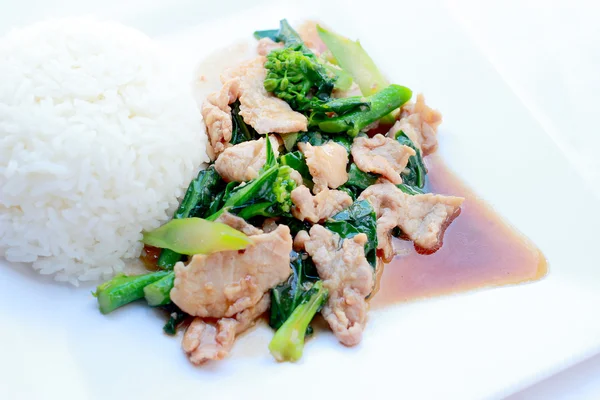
(381, 155)
(266, 45)
(296, 177)
(300, 240)
(419, 122)
(263, 111)
(349, 278)
(326, 163)
(317, 208)
(269, 225)
(225, 283)
(241, 163)
(421, 217)
(238, 223)
(310, 37)
(204, 341)
(217, 117)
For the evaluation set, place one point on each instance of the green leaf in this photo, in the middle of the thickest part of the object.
(287, 296)
(415, 171)
(358, 218)
(272, 34)
(241, 131)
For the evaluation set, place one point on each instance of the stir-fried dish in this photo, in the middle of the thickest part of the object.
(317, 163)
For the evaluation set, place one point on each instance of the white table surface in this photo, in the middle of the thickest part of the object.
(549, 53)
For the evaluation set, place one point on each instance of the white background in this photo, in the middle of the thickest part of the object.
(547, 51)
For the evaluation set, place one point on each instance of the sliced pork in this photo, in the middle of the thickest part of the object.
(242, 162)
(266, 45)
(419, 122)
(348, 276)
(263, 111)
(217, 117)
(238, 223)
(326, 163)
(212, 340)
(225, 283)
(381, 155)
(421, 217)
(317, 208)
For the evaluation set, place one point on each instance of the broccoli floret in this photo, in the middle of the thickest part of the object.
(283, 187)
(297, 78)
(288, 342)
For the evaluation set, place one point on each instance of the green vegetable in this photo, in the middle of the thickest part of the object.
(382, 103)
(195, 203)
(412, 190)
(272, 34)
(291, 38)
(289, 140)
(241, 131)
(342, 105)
(415, 171)
(294, 224)
(317, 138)
(360, 179)
(288, 342)
(267, 195)
(276, 202)
(122, 290)
(343, 80)
(296, 161)
(158, 293)
(298, 79)
(289, 295)
(358, 218)
(354, 59)
(176, 317)
(196, 236)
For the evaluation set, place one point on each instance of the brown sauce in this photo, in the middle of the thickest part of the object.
(480, 249)
(149, 257)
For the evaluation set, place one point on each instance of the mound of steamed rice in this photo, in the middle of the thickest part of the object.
(99, 136)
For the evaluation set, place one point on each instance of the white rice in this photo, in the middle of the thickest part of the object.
(99, 136)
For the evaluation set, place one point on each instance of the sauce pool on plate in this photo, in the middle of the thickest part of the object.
(480, 249)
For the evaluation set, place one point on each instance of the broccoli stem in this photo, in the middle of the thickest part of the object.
(343, 105)
(198, 188)
(382, 103)
(123, 289)
(288, 342)
(159, 293)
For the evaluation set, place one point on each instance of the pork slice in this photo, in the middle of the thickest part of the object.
(310, 36)
(381, 155)
(317, 208)
(242, 162)
(420, 123)
(238, 223)
(421, 217)
(217, 117)
(326, 163)
(225, 283)
(348, 277)
(213, 340)
(266, 45)
(263, 111)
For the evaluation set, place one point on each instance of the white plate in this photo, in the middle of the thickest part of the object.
(55, 344)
